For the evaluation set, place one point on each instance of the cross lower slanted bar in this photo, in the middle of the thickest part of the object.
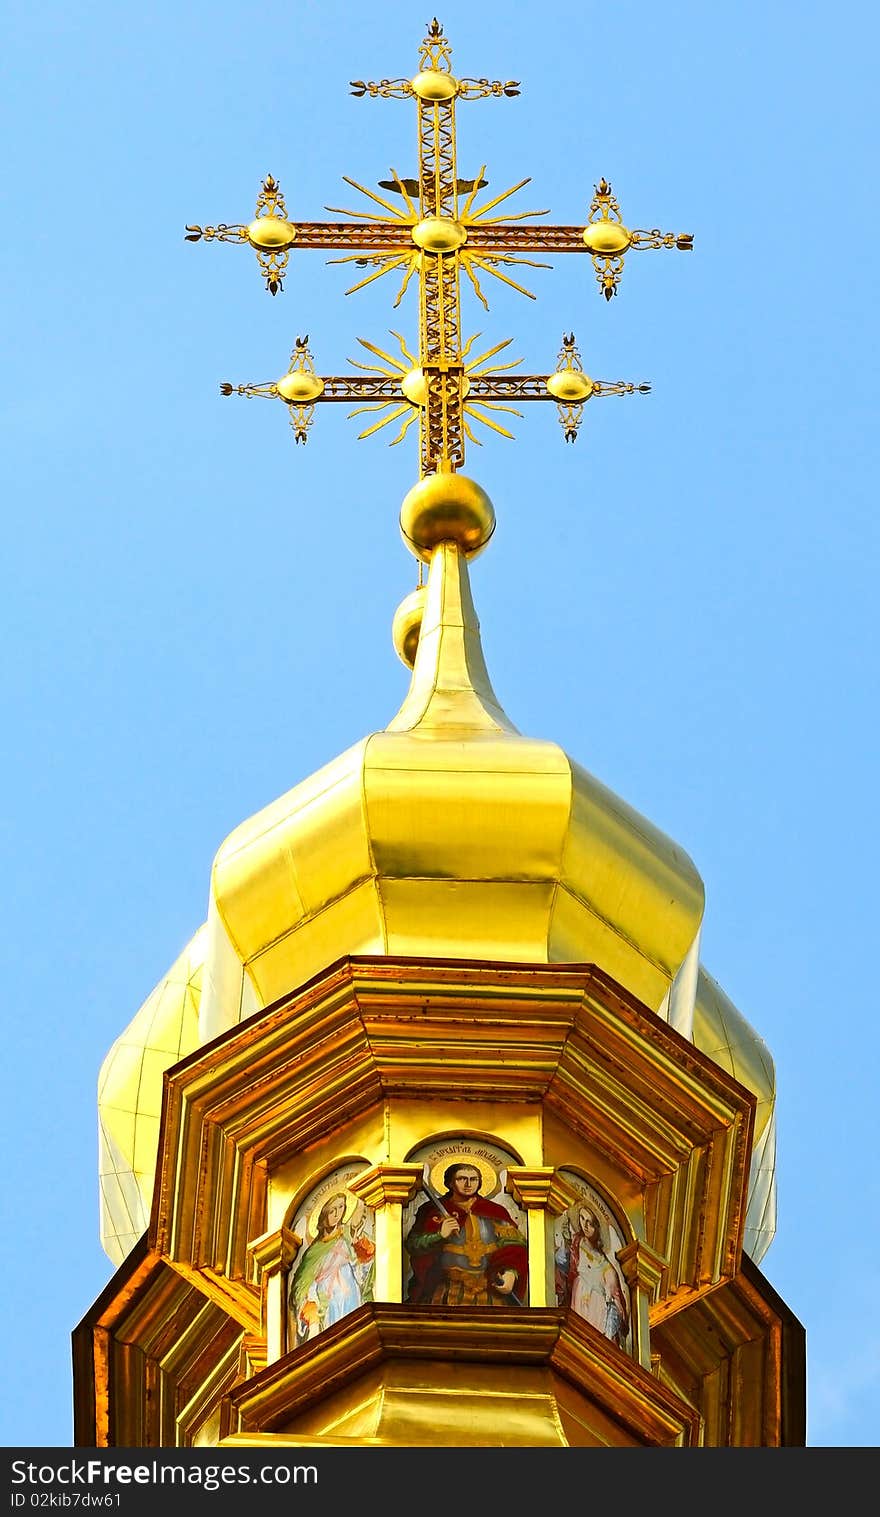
(397, 391)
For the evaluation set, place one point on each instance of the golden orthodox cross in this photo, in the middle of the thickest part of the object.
(438, 232)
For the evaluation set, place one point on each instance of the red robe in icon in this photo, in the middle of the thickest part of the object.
(463, 1270)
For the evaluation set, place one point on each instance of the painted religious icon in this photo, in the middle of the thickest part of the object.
(465, 1238)
(588, 1278)
(332, 1273)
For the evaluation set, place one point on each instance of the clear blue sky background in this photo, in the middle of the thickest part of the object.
(196, 613)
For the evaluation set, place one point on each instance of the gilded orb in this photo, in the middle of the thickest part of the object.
(415, 387)
(608, 239)
(300, 387)
(446, 508)
(570, 386)
(433, 84)
(439, 234)
(407, 625)
(269, 234)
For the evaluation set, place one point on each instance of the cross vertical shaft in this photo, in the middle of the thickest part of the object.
(442, 443)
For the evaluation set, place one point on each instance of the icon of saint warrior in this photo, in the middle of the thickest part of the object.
(464, 1249)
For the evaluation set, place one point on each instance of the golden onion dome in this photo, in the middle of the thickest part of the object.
(164, 1030)
(723, 1033)
(447, 835)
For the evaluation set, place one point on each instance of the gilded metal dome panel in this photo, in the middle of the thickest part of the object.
(130, 1097)
(451, 834)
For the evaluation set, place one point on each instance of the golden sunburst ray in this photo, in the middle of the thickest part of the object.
(413, 265)
(487, 421)
(496, 274)
(503, 220)
(410, 260)
(408, 405)
(382, 263)
(472, 339)
(489, 353)
(410, 358)
(476, 216)
(467, 266)
(495, 405)
(465, 210)
(371, 405)
(393, 261)
(478, 368)
(405, 425)
(391, 369)
(344, 210)
(362, 258)
(395, 212)
(403, 190)
(371, 347)
(467, 262)
(377, 427)
(392, 212)
(505, 195)
(371, 368)
(492, 368)
(493, 258)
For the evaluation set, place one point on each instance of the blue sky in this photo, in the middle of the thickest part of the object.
(196, 613)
